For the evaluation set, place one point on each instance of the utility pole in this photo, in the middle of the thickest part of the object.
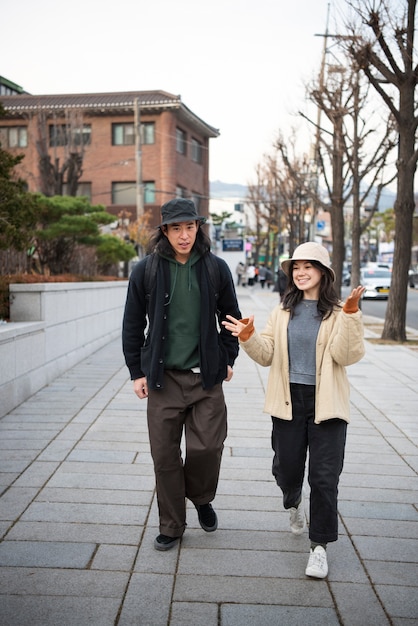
(321, 83)
(138, 161)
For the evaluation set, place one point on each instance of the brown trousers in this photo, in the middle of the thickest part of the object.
(182, 404)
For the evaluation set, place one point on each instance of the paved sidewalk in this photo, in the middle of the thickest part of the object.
(78, 512)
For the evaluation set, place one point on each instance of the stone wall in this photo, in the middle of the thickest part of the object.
(54, 326)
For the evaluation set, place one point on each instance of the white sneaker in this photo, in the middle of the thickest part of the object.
(317, 565)
(297, 519)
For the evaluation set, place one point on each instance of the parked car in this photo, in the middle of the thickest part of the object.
(377, 282)
(413, 277)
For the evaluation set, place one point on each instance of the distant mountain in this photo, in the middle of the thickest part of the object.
(218, 189)
(387, 199)
(221, 190)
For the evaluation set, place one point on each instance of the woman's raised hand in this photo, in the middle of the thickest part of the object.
(351, 304)
(240, 328)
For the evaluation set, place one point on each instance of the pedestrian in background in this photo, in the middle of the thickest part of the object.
(178, 359)
(281, 283)
(262, 275)
(250, 273)
(240, 271)
(308, 341)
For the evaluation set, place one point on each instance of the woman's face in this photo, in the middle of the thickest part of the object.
(307, 278)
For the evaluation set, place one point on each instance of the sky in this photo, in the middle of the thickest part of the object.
(240, 65)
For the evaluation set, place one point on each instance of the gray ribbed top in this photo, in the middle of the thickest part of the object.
(301, 335)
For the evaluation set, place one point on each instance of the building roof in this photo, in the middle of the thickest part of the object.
(105, 104)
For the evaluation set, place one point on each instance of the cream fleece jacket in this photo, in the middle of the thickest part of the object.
(340, 343)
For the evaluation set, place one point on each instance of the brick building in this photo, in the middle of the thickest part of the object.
(122, 168)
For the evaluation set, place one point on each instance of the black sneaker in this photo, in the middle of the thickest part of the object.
(163, 542)
(207, 517)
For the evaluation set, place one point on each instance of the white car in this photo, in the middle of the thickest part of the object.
(377, 282)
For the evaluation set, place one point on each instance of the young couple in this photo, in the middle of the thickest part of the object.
(180, 342)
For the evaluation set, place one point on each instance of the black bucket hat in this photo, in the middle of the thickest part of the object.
(179, 210)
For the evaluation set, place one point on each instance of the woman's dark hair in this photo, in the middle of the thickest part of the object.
(328, 297)
(160, 244)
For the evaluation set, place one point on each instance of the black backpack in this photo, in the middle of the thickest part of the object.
(208, 259)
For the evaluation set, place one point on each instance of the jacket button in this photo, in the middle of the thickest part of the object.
(287, 402)
(158, 385)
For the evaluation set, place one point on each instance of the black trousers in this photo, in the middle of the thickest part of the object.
(184, 407)
(291, 440)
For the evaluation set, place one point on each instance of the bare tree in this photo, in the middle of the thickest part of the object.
(279, 201)
(353, 157)
(384, 51)
(258, 201)
(68, 141)
(293, 182)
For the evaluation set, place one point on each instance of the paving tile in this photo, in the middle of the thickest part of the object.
(45, 554)
(382, 527)
(101, 456)
(236, 615)
(15, 501)
(392, 573)
(87, 513)
(37, 474)
(95, 496)
(390, 549)
(368, 609)
(114, 558)
(260, 590)
(80, 532)
(378, 510)
(401, 602)
(100, 480)
(193, 614)
(147, 600)
(24, 581)
(65, 611)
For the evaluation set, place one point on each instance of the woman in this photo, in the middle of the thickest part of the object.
(309, 340)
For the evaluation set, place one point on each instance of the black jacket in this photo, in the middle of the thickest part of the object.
(145, 324)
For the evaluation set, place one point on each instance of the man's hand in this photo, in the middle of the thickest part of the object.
(141, 388)
(229, 374)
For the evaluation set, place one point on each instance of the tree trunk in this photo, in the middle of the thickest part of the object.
(337, 203)
(395, 320)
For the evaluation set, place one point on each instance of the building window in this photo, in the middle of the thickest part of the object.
(14, 136)
(197, 201)
(83, 189)
(124, 193)
(148, 133)
(123, 135)
(196, 151)
(149, 192)
(181, 192)
(63, 135)
(181, 141)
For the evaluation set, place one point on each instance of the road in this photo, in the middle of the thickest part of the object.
(377, 308)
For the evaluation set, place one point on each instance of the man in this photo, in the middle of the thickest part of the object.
(178, 355)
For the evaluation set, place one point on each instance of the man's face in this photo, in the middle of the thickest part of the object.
(181, 236)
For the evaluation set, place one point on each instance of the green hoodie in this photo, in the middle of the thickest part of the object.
(182, 342)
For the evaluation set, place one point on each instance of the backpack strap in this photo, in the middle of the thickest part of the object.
(150, 272)
(213, 271)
